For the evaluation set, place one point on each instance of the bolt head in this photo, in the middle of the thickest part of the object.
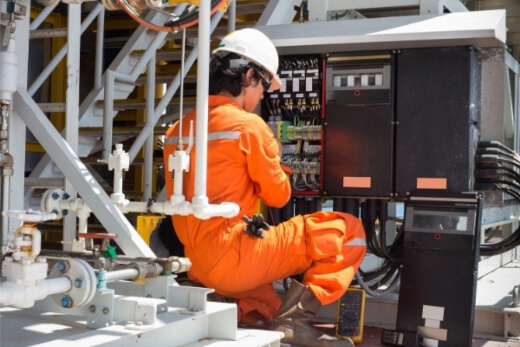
(63, 266)
(92, 308)
(66, 301)
(55, 196)
(79, 282)
(106, 310)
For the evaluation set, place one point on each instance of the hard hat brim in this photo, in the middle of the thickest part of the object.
(276, 82)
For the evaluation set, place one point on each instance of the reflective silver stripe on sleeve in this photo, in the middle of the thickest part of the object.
(356, 242)
(221, 135)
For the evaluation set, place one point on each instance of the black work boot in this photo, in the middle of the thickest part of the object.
(298, 307)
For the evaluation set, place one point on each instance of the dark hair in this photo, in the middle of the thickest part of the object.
(222, 77)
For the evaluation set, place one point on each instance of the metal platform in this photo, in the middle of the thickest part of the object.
(28, 327)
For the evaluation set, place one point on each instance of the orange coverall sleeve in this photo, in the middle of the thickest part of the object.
(271, 182)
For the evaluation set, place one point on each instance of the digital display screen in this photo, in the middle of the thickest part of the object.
(460, 222)
(427, 221)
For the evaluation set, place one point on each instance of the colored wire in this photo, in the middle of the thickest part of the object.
(183, 22)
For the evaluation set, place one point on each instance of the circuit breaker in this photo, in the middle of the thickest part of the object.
(359, 127)
(439, 272)
(294, 114)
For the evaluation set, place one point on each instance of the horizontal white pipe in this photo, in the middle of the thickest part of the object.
(126, 274)
(29, 215)
(18, 295)
(201, 211)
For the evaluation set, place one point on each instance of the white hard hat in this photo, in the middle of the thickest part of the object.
(252, 45)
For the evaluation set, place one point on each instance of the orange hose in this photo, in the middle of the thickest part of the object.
(151, 26)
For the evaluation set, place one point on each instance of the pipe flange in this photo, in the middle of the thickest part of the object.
(51, 201)
(83, 279)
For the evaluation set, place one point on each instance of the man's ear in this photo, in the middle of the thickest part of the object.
(247, 78)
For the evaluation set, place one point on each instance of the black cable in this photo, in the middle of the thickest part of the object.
(496, 144)
(491, 173)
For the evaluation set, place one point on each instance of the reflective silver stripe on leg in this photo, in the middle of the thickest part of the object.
(359, 241)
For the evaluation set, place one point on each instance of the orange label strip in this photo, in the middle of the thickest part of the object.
(357, 182)
(432, 183)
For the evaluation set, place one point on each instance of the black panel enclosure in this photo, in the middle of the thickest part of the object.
(436, 111)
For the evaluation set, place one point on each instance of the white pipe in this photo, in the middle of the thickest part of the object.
(125, 274)
(118, 195)
(83, 213)
(5, 206)
(127, 206)
(201, 159)
(100, 34)
(148, 145)
(18, 295)
(8, 71)
(108, 113)
(29, 215)
(36, 247)
(231, 14)
(42, 16)
(184, 208)
(59, 56)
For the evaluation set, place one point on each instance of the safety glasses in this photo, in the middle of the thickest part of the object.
(265, 82)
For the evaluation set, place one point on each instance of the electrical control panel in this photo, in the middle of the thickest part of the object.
(294, 114)
(379, 124)
(359, 125)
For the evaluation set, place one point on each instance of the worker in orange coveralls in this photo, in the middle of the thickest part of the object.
(241, 260)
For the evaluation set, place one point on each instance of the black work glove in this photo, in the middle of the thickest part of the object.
(255, 226)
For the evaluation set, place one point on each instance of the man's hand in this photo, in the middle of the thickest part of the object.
(255, 226)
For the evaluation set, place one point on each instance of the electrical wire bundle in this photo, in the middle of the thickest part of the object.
(498, 167)
(388, 274)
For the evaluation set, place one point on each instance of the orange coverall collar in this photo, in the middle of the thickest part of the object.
(219, 100)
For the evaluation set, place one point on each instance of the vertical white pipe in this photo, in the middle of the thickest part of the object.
(5, 207)
(118, 195)
(108, 113)
(231, 12)
(72, 110)
(100, 34)
(201, 132)
(181, 95)
(148, 145)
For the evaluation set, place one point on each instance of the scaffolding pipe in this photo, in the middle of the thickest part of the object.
(168, 95)
(42, 16)
(100, 35)
(108, 114)
(148, 146)
(59, 56)
(48, 33)
(108, 110)
(231, 15)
